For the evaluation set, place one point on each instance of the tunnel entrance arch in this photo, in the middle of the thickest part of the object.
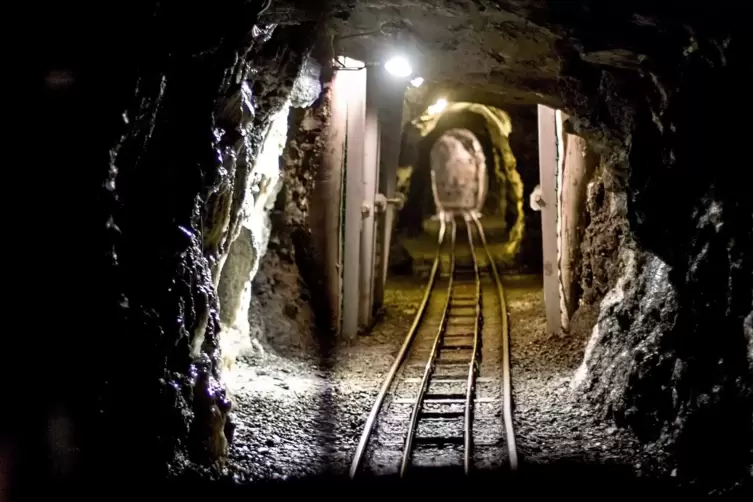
(504, 187)
(458, 172)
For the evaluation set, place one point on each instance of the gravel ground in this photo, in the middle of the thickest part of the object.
(302, 417)
(552, 424)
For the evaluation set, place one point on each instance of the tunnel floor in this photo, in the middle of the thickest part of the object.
(423, 247)
(300, 418)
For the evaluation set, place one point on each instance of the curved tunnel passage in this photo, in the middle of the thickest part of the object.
(458, 171)
(420, 204)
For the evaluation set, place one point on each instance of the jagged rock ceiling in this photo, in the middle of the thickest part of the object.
(458, 43)
(502, 52)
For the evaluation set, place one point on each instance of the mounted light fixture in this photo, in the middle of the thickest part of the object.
(398, 66)
(416, 82)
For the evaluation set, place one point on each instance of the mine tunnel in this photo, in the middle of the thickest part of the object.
(368, 245)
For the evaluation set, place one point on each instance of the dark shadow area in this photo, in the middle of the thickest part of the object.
(533, 482)
(524, 143)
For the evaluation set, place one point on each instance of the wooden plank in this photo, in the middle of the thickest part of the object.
(354, 158)
(327, 195)
(451, 380)
(447, 401)
(390, 118)
(575, 180)
(370, 179)
(548, 180)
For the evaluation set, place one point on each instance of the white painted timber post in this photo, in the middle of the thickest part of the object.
(574, 183)
(370, 180)
(327, 197)
(354, 196)
(548, 170)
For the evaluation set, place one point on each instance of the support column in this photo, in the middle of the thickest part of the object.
(561, 139)
(575, 180)
(548, 160)
(354, 195)
(370, 180)
(325, 203)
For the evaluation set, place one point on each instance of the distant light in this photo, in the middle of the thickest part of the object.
(416, 82)
(438, 107)
(398, 67)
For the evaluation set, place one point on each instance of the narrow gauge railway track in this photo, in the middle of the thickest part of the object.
(430, 396)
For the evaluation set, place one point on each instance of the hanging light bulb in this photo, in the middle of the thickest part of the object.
(416, 82)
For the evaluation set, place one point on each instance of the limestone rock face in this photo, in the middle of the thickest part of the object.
(291, 300)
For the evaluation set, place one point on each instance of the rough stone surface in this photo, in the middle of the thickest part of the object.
(162, 141)
(658, 88)
(241, 262)
(553, 424)
(601, 263)
(288, 288)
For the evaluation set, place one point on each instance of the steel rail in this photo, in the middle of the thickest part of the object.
(473, 365)
(506, 379)
(371, 419)
(408, 448)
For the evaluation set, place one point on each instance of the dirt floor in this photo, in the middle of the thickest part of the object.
(302, 417)
(552, 424)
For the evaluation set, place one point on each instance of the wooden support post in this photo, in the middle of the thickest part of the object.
(548, 160)
(354, 196)
(370, 179)
(575, 180)
(325, 203)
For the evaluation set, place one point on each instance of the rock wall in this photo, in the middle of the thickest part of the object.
(163, 142)
(246, 251)
(289, 301)
(682, 349)
(458, 170)
(601, 262)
